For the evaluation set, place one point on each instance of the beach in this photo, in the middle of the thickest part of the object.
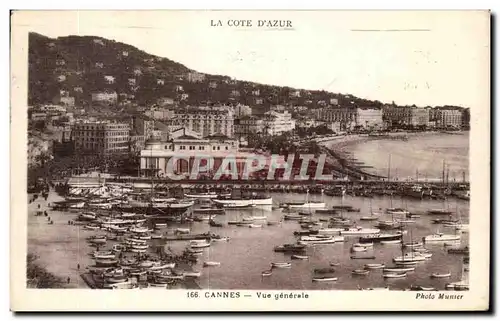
(422, 154)
(60, 247)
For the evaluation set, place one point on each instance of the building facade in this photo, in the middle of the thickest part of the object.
(449, 118)
(345, 118)
(156, 155)
(406, 115)
(207, 121)
(276, 123)
(101, 137)
(369, 118)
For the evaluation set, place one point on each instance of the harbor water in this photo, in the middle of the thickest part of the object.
(424, 153)
(250, 250)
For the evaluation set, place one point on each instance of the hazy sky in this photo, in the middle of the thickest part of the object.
(435, 58)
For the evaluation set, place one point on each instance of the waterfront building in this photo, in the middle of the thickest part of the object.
(101, 137)
(186, 149)
(449, 118)
(405, 115)
(276, 123)
(369, 118)
(466, 118)
(155, 157)
(207, 121)
(419, 117)
(344, 117)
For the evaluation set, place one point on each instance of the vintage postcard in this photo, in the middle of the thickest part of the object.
(250, 160)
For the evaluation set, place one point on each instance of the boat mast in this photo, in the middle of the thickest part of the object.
(389, 169)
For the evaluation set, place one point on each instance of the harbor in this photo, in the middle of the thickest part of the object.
(236, 248)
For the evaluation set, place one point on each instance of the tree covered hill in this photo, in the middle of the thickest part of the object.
(81, 65)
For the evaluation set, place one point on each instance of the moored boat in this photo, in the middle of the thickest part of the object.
(393, 275)
(267, 273)
(281, 264)
(324, 279)
(374, 266)
(211, 263)
(359, 231)
(300, 257)
(360, 272)
(440, 237)
(396, 269)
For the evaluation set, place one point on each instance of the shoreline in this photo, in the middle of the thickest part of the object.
(60, 247)
(339, 146)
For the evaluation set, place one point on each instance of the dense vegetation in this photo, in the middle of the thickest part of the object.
(84, 62)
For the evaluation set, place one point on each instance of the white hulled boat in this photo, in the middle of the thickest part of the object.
(245, 202)
(359, 231)
(440, 237)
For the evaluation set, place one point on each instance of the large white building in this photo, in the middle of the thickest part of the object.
(448, 118)
(156, 155)
(207, 121)
(276, 123)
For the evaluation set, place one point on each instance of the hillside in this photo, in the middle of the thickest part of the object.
(78, 66)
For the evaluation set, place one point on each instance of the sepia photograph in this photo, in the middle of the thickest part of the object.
(252, 155)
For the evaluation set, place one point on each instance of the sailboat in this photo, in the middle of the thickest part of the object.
(372, 217)
(392, 224)
(458, 225)
(407, 257)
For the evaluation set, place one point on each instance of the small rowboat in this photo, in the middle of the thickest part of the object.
(395, 269)
(272, 223)
(158, 225)
(440, 275)
(300, 257)
(156, 236)
(221, 239)
(374, 266)
(368, 218)
(362, 257)
(324, 270)
(360, 272)
(394, 275)
(334, 264)
(391, 242)
(192, 274)
(422, 288)
(413, 244)
(324, 279)
(406, 263)
(281, 265)
(211, 263)
(362, 245)
(267, 273)
(254, 225)
(358, 249)
(199, 245)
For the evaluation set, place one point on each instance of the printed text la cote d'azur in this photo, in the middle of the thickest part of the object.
(252, 23)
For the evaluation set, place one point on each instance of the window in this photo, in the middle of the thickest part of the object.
(183, 147)
(213, 148)
(218, 147)
(227, 148)
(201, 147)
